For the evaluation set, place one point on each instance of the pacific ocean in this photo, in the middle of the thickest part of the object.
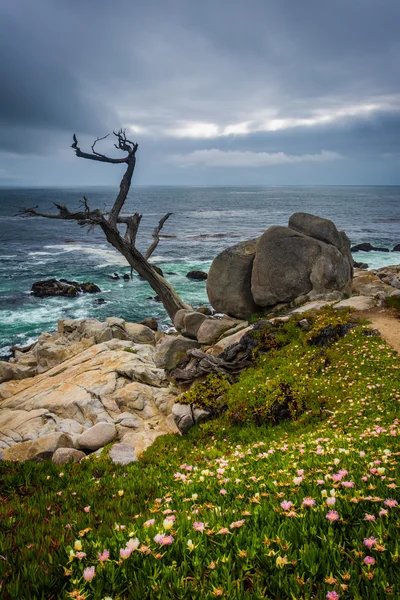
(205, 220)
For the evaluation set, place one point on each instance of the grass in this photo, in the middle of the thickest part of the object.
(240, 508)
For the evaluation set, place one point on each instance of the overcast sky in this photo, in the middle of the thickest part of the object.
(268, 92)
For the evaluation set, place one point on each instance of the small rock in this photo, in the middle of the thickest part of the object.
(97, 436)
(367, 247)
(304, 324)
(100, 301)
(122, 454)
(114, 276)
(150, 322)
(205, 310)
(66, 455)
(179, 316)
(183, 417)
(211, 329)
(126, 277)
(197, 275)
(396, 248)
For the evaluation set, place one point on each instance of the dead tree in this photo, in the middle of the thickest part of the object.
(110, 222)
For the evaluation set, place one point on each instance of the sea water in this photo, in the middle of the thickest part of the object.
(205, 220)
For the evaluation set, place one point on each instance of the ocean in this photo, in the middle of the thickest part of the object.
(205, 220)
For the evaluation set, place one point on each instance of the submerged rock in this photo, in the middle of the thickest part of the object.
(197, 275)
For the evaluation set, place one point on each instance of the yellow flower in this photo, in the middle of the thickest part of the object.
(120, 492)
(281, 561)
(190, 545)
(78, 545)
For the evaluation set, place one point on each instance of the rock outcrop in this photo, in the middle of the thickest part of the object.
(309, 258)
(110, 391)
(72, 338)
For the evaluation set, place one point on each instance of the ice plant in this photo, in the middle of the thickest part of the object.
(89, 573)
(103, 556)
(332, 515)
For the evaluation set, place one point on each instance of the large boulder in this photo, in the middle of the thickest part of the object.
(65, 455)
(140, 334)
(308, 258)
(229, 281)
(122, 454)
(211, 329)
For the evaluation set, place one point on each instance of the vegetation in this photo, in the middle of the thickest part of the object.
(306, 509)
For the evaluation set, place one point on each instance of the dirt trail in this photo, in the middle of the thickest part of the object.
(387, 323)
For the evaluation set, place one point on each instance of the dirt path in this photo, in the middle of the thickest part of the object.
(387, 323)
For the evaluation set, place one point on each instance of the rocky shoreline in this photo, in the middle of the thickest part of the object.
(94, 383)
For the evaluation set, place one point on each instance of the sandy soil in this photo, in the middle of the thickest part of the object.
(387, 323)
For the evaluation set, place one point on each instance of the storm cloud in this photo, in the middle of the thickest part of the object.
(281, 90)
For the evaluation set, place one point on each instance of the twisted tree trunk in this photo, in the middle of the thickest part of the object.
(126, 244)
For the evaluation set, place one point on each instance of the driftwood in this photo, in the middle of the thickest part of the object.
(110, 222)
(232, 360)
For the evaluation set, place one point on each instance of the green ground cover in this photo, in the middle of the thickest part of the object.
(241, 507)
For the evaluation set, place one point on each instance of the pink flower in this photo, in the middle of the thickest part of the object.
(370, 542)
(390, 503)
(331, 501)
(102, 556)
(369, 560)
(198, 526)
(125, 552)
(236, 524)
(87, 509)
(332, 515)
(369, 517)
(223, 492)
(89, 573)
(383, 512)
(149, 523)
(320, 481)
(332, 596)
(80, 555)
(286, 504)
(348, 484)
(164, 540)
(308, 502)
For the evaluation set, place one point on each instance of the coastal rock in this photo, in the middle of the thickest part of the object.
(229, 281)
(367, 247)
(172, 350)
(38, 449)
(289, 263)
(183, 417)
(150, 322)
(97, 436)
(62, 287)
(65, 455)
(192, 323)
(140, 334)
(197, 275)
(211, 329)
(179, 316)
(88, 389)
(308, 259)
(122, 454)
(356, 303)
(396, 248)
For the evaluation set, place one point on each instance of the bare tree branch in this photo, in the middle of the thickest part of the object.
(156, 236)
(96, 156)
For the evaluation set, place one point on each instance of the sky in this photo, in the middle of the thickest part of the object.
(217, 92)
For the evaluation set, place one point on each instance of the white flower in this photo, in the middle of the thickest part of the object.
(168, 524)
(133, 543)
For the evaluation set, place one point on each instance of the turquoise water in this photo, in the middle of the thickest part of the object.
(205, 221)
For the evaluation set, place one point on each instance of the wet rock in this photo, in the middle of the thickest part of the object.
(100, 301)
(126, 277)
(360, 265)
(205, 310)
(114, 276)
(62, 287)
(367, 247)
(197, 275)
(396, 248)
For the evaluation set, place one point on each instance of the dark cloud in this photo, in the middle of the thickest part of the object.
(283, 76)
